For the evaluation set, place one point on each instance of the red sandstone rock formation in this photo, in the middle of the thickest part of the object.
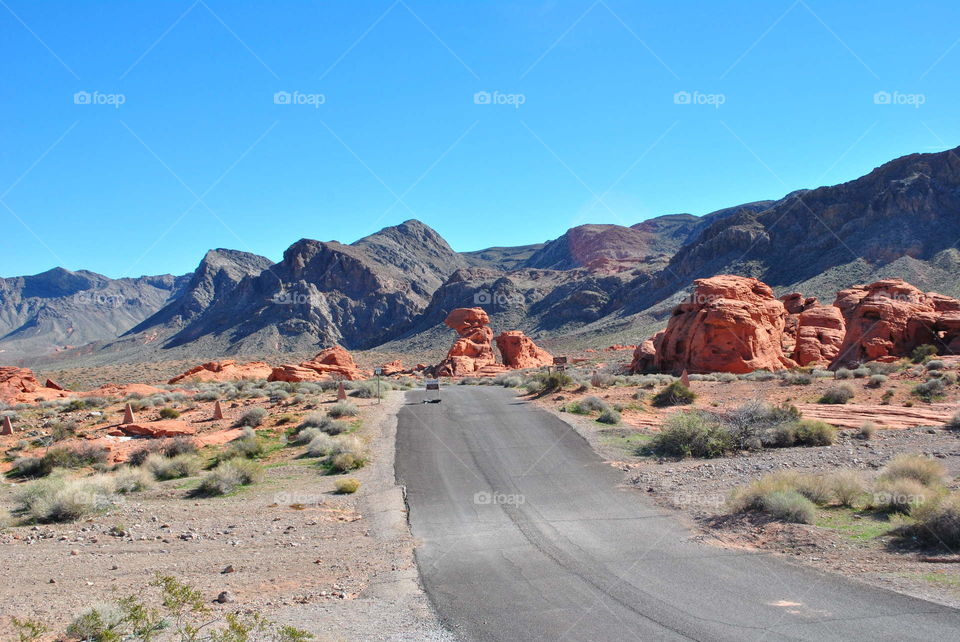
(730, 324)
(392, 368)
(519, 351)
(474, 349)
(820, 334)
(50, 383)
(645, 354)
(794, 304)
(328, 364)
(15, 382)
(162, 428)
(889, 318)
(228, 370)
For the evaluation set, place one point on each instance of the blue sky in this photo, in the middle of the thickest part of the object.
(583, 123)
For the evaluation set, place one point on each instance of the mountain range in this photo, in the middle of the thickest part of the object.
(592, 284)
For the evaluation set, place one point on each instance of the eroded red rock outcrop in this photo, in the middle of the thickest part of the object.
(889, 318)
(795, 304)
(730, 324)
(228, 370)
(820, 334)
(519, 351)
(19, 385)
(392, 368)
(162, 428)
(328, 364)
(645, 354)
(473, 350)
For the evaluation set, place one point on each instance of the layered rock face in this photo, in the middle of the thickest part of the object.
(227, 370)
(889, 318)
(15, 382)
(473, 350)
(729, 324)
(820, 334)
(519, 351)
(795, 304)
(326, 365)
(645, 354)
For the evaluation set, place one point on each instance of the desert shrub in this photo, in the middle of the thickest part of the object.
(938, 521)
(936, 364)
(249, 445)
(674, 394)
(887, 397)
(789, 506)
(815, 433)
(343, 409)
(63, 430)
(166, 448)
(609, 416)
(953, 423)
(692, 434)
(760, 375)
(228, 476)
(252, 418)
(59, 457)
(877, 380)
(58, 499)
(30, 468)
(837, 395)
(843, 373)
(304, 436)
(206, 395)
(176, 467)
(819, 373)
(752, 424)
(861, 372)
(546, 382)
(816, 488)
(726, 377)
(847, 487)
(508, 381)
(169, 413)
(594, 404)
(797, 379)
(949, 378)
(929, 390)
(601, 380)
(928, 472)
(867, 430)
(368, 390)
(900, 495)
(321, 445)
(347, 486)
(923, 353)
(131, 480)
(323, 423)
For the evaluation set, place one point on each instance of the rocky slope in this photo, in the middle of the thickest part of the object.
(595, 283)
(46, 312)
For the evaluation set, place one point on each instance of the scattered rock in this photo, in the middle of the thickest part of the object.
(519, 351)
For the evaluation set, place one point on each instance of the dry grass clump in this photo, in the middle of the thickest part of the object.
(343, 409)
(925, 470)
(900, 495)
(251, 418)
(837, 394)
(793, 497)
(164, 468)
(674, 394)
(347, 486)
(230, 475)
(938, 521)
(59, 499)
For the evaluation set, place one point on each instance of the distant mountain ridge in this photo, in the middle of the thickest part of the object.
(595, 282)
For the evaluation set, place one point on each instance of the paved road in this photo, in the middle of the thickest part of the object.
(525, 535)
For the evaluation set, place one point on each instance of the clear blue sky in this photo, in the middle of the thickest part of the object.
(200, 156)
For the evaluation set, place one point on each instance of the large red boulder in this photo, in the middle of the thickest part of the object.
(889, 318)
(473, 350)
(730, 324)
(519, 351)
(820, 334)
(227, 370)
(328, 364)
(645, 354)
(162, 428)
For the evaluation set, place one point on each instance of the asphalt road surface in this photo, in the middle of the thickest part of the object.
(524, 534)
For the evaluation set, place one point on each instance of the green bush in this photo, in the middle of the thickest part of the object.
(131, 480)
(343, 409)
(58, 499)
(815, 433)
(923, 353)
(924, 470)
(674, 394)
(797, 379)
(169, 413)
(593, 404)
(900, 495)
(861, 372)
(843, 373)
(249, 445)
(228, 476)
(778, 495)
(347, 486)
(953, 423)
(176, 467)
(877, 380)
(867, 430)
(938, 521)
(789, 506)
(252, 418)
(837, 395)
(609, 416)
(546, 382)
(692, 434)
(929, 390)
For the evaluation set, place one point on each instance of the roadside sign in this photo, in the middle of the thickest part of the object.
(433, 384)
(559, 361)
(378, 371)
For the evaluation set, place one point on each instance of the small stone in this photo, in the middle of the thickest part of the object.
(74, 552)
(225, 597)
(229, 569)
